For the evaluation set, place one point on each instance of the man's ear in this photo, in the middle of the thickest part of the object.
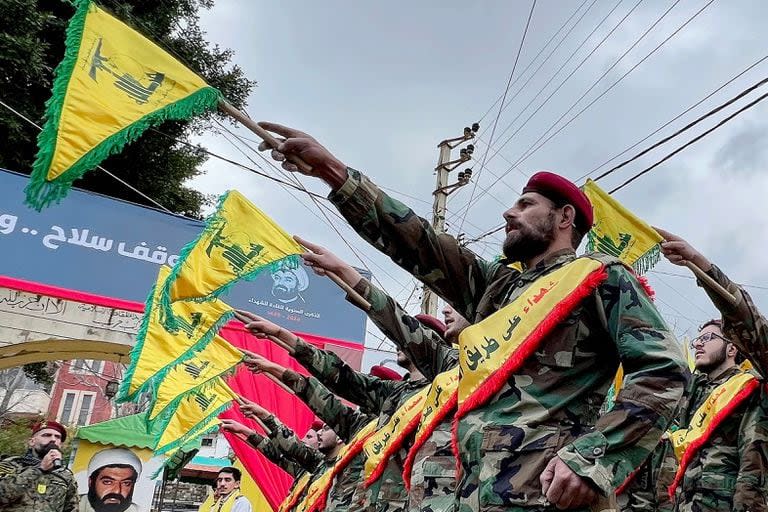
(568, 218)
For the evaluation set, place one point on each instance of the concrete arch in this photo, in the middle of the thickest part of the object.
(36, 328)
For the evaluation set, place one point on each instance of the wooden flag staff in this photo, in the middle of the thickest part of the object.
(303, 166)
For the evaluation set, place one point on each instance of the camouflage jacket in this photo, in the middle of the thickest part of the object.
(433, 477)
(505, 445)
(285, 449)
(24, 487)
(374, 396)
(344, 420)
(729, 473)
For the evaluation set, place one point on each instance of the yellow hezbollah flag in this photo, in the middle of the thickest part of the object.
(195, 415)
(158, 348)
(215, 360)
(239, 242)
(112, 85)
(618, 232)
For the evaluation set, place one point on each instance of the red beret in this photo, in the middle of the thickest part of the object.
(385, 373)
(432, 323)
(317, 425)
(54, 425)
(559, 190)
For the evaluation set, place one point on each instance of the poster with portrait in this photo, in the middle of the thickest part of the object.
(114, 478)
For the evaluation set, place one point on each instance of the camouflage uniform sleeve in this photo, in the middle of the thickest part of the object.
(73, 499)
(268, 447)
(14, 480)
(751, 491)
(367, 391)
(423, 346)
(743, 323)
(656, 374)
(452, 271)
(343, 419)
(291, 446)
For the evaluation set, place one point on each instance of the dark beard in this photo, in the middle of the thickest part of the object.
(43, 450)
(717, 361)
(281, 293)
(528, 242)
(99, 505)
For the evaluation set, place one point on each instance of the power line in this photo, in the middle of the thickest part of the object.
(657, 130)
(537, 56)
(501, 107)
(562, 83)
(533, 150)
(686, 127)
(131, 187)
(683, 276)
(562, 66)
(689, 143)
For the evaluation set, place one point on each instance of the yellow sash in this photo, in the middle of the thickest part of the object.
(381, 445)
(317, 495)
(491, 351)
(296, 493)
(441, 400)
(209, 505)
(720, 404)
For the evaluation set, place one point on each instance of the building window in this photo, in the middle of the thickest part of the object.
(86, 366)
(76, 407)
(206, 441)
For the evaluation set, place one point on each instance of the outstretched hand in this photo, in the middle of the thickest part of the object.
(299, 144)
(322, 261)
(680, 252)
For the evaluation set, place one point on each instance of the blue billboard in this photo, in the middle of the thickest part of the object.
(95, 244)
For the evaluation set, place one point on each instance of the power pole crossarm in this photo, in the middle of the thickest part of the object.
(442, 190)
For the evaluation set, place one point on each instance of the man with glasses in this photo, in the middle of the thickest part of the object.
(716, 459)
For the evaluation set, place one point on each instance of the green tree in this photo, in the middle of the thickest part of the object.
(32, 45)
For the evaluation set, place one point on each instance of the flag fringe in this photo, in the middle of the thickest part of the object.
(124, 392)
(212, 223)
(166, 412)
(193, 433)
(40, 192)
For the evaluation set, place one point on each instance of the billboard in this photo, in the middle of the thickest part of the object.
(94, 244)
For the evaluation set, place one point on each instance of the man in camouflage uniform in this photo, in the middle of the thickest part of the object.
(281, 446)
(729, 471)
(36, 481)
(341, 419)
(433, 477)
(375, 396)
(538, 443)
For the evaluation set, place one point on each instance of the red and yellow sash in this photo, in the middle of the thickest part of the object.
(720, 404)
(317, 495)
(390, 438)
(298, 490)
(491, 351)
(441, 401)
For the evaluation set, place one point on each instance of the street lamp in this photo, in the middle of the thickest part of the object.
(110, 390)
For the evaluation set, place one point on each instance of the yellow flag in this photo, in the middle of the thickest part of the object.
(216, 359)
(195, 415)
(618, 232)
(239, 242)
(112, 84)
(158, 348)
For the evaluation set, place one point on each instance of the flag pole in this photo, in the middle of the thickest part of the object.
(704, 277)
(267, 137)
(249, 123)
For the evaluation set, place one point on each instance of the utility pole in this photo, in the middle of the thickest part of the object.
(442, 190)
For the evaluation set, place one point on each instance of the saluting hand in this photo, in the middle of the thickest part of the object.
(322, 261)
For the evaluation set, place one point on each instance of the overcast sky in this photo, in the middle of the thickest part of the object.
(381, 83)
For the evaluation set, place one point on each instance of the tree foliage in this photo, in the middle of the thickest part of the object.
(31, 46)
